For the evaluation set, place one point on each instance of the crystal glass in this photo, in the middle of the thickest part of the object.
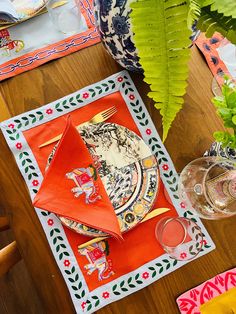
(66, 17)
(180, 237)
(208, 185)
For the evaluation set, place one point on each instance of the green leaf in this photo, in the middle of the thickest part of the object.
(44, 213)
(116, 293)
(212, 21)
(163, 52)
(165, 261)
(161, 270)
(77, 296)
(89, 307)
(234, 119)
(231, 100)
(154, 274)
(227, 7)
(175, 262)
(194, 11)
(139, 282)
(221, 137)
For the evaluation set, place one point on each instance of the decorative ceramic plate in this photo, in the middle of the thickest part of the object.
(128, 171)
(25, 9)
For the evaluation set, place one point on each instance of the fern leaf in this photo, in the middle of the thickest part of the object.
(161, 37)
(194, 11)
(226, 7)
(212, 21)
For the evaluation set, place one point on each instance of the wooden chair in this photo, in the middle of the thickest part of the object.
(10, 254)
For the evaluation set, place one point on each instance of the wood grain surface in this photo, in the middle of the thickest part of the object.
(190, 136)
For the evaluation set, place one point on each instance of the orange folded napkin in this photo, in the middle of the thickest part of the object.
(73, 189)
(223, 304)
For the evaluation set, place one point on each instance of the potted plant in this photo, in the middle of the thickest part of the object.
(154, 35)
(225, 145)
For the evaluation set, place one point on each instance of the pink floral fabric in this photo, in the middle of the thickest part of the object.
(190, 301)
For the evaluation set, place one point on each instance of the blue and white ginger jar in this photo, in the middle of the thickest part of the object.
(114, 25)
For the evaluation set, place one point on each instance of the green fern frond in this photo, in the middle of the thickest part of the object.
(226, 7)
(194, 11)
(205, 3)
(212, 21)
(162, 37)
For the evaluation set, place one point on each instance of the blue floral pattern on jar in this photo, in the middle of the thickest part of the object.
(113, 22)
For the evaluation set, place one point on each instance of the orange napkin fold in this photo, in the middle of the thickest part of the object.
(73, 189)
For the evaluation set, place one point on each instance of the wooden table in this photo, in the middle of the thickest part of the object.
(190, 136)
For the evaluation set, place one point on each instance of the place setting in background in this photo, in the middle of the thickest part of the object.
(35, 32)
(127, 176)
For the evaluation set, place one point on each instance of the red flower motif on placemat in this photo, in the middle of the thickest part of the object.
(148, 131)
(35, 182)
(11, 126)
(182, 205)
(145, 275)
(49, 111)
(85, 95)
(165, 167)
(83, 304)
(120, 79)
(66, 263)
(204, 242)
(183, 255)
(105, 295)
(50, 222)
(18, 145)
(131, 97)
